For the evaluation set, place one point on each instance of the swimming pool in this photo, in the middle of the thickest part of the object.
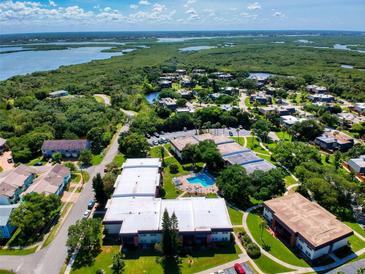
(204, 179)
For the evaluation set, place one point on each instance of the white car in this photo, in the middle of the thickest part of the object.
(86, 214)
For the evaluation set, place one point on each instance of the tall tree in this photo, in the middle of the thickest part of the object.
(98, 186)
(118, 264)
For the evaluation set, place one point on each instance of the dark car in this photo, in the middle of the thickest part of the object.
(239, 268)
(10, 160)
(230, 133)
(90, 204)
(160, 141)
(38, 164)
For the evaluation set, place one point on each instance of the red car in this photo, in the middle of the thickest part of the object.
(239, 269)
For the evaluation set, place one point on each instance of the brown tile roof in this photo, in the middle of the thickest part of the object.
(315, 224)
(65, 145)
(182, 142)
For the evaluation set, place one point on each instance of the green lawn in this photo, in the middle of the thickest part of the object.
(119, 159)
(85, 176)
(144, 261)
(356, 227)
(14, 252)
(284, 136)
(235, 215)
(75, 177)
(253, 144)
(277, 248)
(169, 187)
(247, 102)
(270, 267)
(96, 159)
(36, 160)
(6, 272)
(289, 180)
(155, 152)
(356, 243)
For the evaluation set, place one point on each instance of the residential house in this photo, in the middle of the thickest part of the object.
(306, 226)
(261, 98)
(186, 94)
(58, 93)
(168, 102)
(215, 96)
(2, 145)
(281, 110)
(230, 90)
(52, 180)
(222, 75)
(181, 72)
(334, 140)
(289, 120)
(134, 213)
(68, 148)
(357, 165)
(349, 119)
(360, 108)
(316, 89)
(6, 229)
(165, 84)
(324, 98)
(199, 72)
(14, 182)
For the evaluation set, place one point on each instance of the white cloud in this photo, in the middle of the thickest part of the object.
(254, 6)
(189, 3)
(233, 9)
(248, 15)
(193, 14)
(210, 12)
(278, 14)
(134, 6)
(107, 9)
(144, 3)
(52, 3)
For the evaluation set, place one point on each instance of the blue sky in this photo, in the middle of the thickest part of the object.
(135, 15)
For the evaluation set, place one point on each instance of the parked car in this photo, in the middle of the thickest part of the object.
(162, 132)
(230, 133)
(160, 141)
(38, 164)
(239, 269)
(10, 160)
(90, 204)
(156, 135)
(148, 136)
(86, 214)
(155, 143)
(164, 141)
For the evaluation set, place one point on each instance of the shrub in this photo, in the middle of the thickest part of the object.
(253, 250)
(174, 168)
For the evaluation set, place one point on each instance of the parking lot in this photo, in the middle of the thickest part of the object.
(231, 270)
(219, 131)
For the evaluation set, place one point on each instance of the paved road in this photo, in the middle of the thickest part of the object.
(216, 131)
(51, 259)
(350, 268)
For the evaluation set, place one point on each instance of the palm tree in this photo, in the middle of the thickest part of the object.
(263, 225)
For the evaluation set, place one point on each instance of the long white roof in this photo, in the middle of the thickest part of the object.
(145, 213)
(140, 177)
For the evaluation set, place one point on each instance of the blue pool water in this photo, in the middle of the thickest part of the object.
(203, 179)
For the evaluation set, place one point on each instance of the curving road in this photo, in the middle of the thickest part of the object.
(51, 259)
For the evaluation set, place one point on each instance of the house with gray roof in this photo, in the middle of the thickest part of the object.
(6, 229)
(68, 148)
(357, 165)
(52, 181)
(14, 182)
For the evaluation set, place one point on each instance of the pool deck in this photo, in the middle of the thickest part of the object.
(194, 188)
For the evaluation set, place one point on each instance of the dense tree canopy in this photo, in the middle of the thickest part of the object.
(292, 154)
(133, 145)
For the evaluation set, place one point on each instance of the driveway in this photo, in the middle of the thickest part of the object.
(106, 99)
(215, 131)
(51, 259)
